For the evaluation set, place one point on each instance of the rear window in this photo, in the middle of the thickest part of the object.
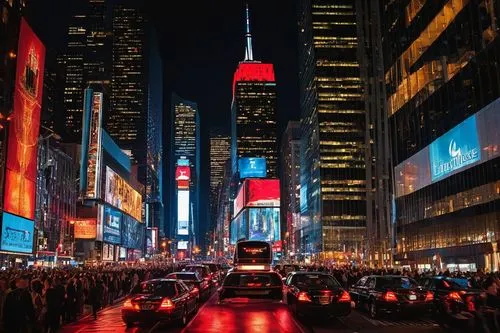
(253, 280)
(158, 288)
(198, 269)
(396, 283)
(182, 276)
(315, 281)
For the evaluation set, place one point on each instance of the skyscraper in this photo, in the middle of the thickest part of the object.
(186, 145)
(254, 110)
(220, 153)
(333, 184)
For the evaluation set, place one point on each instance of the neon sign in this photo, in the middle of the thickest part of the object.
(253, 71)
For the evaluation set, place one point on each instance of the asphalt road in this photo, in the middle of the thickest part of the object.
(252, 317)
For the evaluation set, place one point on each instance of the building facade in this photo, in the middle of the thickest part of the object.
(290, 188)
(441, 70)
(333, 176)
(220, 153)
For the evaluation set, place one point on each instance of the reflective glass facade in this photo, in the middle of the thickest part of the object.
(220, 153)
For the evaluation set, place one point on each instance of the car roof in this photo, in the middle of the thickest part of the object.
(310, 273)
(196, 265)
(183, 273)
(161, 280)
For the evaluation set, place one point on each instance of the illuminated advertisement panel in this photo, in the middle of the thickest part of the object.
(112, 221)
(239, 202)
(262, 193)
(183, 184)
(132, 233)
(264, 224)
(182, 162)
(253, 72)
(23, 130)
(182, 245)
(183, 212)
(108, 252)
(121, 195)
(85, 228)
(252, 167)
(182, 173)
(17, 234)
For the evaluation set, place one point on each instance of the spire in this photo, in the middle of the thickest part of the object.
(248, 36)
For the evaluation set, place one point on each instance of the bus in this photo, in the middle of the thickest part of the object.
(255, 254)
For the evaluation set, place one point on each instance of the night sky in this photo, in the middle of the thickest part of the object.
(201, 43)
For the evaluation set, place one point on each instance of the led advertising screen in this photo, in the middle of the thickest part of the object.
(123, 253)
(182, 245)
(112, 221)
(248, 71)
(132, 233)
(264, 224)
(183, 162)
(252, 167)
(108, 252)
(183, 184)
(455, 149)
(262, 193)
(85, 228)
(183, 213)
(182, 173)
(22, 142)
(239, 202)
(17, 234)
(121, 195)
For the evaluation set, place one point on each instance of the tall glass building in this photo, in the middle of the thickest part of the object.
(441, 70)
(333, 183)
(220, 153)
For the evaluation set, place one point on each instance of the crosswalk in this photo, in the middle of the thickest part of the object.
(402, 323)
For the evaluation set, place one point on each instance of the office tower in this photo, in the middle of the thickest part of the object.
(380, 231)
(290, 187)
(220, 153)
(186, 146)
(127, 119)
(53, 85)
(441, 68)
(254, 110)
(333, 184)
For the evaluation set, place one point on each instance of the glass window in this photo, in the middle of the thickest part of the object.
(158, 288)
(396, 282)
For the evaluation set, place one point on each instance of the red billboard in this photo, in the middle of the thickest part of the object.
(183, 173)
(183, 184)
(262, 193)
(253, 71)
(22, 143)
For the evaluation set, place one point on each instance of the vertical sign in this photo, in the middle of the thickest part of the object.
(22, 144)
(183, 212)
(93, 171)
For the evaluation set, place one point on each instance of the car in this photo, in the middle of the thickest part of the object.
(160, 300)
(203, 270)
(251, 284)
(214, 271)
(316, 294)
(391, 294)
(192, 279)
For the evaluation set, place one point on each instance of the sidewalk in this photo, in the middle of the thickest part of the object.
(87, 310)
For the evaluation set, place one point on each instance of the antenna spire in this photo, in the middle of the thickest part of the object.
(248, 36)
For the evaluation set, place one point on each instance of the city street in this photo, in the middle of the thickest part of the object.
(258, 318)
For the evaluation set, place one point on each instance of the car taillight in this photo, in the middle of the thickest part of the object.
(195, 290)
(167, 304)
(471, 305)
(345, 297)
(454, 296)
(128, 304)
(429, 296)
(390, 297)
(303, 297)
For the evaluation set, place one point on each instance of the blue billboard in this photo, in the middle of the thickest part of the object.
(132, 233)
(455, 149)
(182, 162)
(252, 167)
(112, 221)
(17, 234)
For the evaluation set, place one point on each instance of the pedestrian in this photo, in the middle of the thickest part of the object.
(95, 296)
(36, 296)
(18, 312)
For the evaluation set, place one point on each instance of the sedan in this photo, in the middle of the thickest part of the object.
(251, 285)
(192, 279)
(160, 300)
(316, 294)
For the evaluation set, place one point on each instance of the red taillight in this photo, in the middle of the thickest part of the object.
(128, 304)
(429, 296)
(454, 296)
(195, 290)
(345, 297)
(167, 304)
(390, 297)
(303, 297)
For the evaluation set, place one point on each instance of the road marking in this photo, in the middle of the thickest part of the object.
(199, 311)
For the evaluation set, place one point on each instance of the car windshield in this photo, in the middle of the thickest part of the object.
(316, 281)
(198, 269)
(182, 276)
(396, 282)
(158, 288)
(252, 280)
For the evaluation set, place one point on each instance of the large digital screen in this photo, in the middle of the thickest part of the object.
(264, 224)
(112, 221)
(22, 142)
(182, 173)
(183, 162)
(132, 233)
(85, 228)
(262, 193)
(183, 212)
(17, 234)
(252, 167)
(239, 202)
(182, 245)
(123, 196)
(249, 71)
(108, 252)
(455, 149)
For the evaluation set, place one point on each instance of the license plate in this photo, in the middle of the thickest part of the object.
(412, 297)
(252, 292)
(324, 299)
(147, 307)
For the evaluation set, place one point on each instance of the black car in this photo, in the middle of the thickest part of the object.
(391, 294)
(192, 279)
(203, 270)
(316, 294)
(214, 271)
(251, 285)
(160, 300)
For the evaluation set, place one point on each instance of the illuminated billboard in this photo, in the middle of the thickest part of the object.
(183, 184)
(183, 212)
(132, 233)
(112, 220)
(182, 173)
(23, 130)
(257, 223)
(85, 228)
(17, 234)
(182, 162)
(121, 195)
(253, 71)
(239, 202)
(90, 164)
(182, 245)
(262, 193)
(151, 239)
(252, 167)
